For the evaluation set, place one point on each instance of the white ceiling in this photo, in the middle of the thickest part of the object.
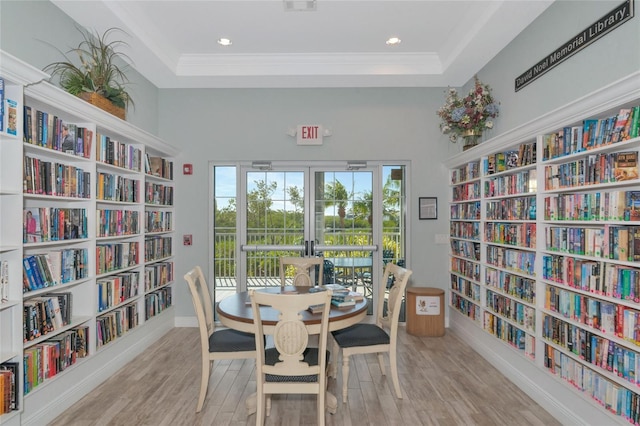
(339, 44)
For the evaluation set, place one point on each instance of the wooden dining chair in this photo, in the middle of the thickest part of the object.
(291, 366)
(214, 345)
(376, 338)
(302, 267)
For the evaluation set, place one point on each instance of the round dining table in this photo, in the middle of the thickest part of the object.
(235, 312)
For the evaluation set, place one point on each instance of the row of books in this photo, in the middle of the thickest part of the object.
(468, 249)
(513, 310)
(45, 129)
(9, 387)
(466, 192)
(158, 194)
(604, 354)
(156, 248)
(466, 268)
(57, 179)
(618, 281)
(465, 287)
(157, 302)
(592, 169)
(595, 206)
(43, 315)
(158, 166)
(116, 289)
(42, 224)
(115, 323)
(51, 357)
(607, 242)
(54, 268)
(593, 133)
(594, 313)
(117, 188)
(518, 208)
(469, 211)
(517, 234)
(523, 182)
(467, 230)
(502, 161)
(119, 154)
(157, 275)
(113, 223)
(465, 307)
(514, 285)
(467, 172)
(613, 397)
(507, 332)
(158, 221)
(116, 256)
(514, 260)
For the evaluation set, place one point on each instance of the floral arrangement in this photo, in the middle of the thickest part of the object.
(471, 114)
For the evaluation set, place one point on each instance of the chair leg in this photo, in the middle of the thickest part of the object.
(260, 408)
(345, 376)
(381, 363)
(321, 406)
(394, 373)
(204, 383)
(268, 410)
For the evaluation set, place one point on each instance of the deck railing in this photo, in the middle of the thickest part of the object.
(263, 266)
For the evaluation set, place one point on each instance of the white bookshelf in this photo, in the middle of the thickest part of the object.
(54, 394)
(528, 364)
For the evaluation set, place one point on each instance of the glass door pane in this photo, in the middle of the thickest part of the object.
(343, 229)
(275, 223)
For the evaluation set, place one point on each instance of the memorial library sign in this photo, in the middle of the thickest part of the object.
(593, 32)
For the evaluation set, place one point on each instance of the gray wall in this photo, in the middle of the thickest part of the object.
(369, 124)
(33, 30)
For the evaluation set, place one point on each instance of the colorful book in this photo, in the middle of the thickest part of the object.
(626, 166)
(12, 116)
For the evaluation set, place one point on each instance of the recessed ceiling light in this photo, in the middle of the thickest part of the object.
(224, 42)
(393, 41)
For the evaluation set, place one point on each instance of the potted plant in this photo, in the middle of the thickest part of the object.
(468, 117)
(99, 79)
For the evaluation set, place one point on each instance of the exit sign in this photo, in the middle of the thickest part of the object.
(309, 134)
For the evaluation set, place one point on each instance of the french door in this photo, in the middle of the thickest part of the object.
(285, 209)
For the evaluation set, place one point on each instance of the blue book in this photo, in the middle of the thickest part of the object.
(1, 104)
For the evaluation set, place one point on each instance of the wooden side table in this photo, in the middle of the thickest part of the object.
(425, 311)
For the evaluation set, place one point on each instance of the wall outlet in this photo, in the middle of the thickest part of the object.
(442, 239)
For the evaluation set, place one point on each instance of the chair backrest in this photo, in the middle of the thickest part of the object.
(389, 317)
(202, 305)
(302, 267)
(291, 334)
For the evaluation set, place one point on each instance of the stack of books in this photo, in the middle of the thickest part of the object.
(342, 297)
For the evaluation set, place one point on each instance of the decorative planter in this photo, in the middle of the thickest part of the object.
(471, 139)
(103, 103)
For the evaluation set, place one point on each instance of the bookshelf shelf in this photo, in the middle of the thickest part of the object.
(556, 242)
(66, 258)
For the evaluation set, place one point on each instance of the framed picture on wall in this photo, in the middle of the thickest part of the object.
(427, 208)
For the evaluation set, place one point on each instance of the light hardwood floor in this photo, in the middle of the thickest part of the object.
(444, 382)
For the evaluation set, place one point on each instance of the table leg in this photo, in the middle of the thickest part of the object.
(251, 403)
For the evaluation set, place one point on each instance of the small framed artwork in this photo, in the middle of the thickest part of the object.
(427, 208)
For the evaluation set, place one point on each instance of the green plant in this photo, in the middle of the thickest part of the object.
(98, 71)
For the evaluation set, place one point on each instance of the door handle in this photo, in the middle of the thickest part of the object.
(313, 252)
(306, 248)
